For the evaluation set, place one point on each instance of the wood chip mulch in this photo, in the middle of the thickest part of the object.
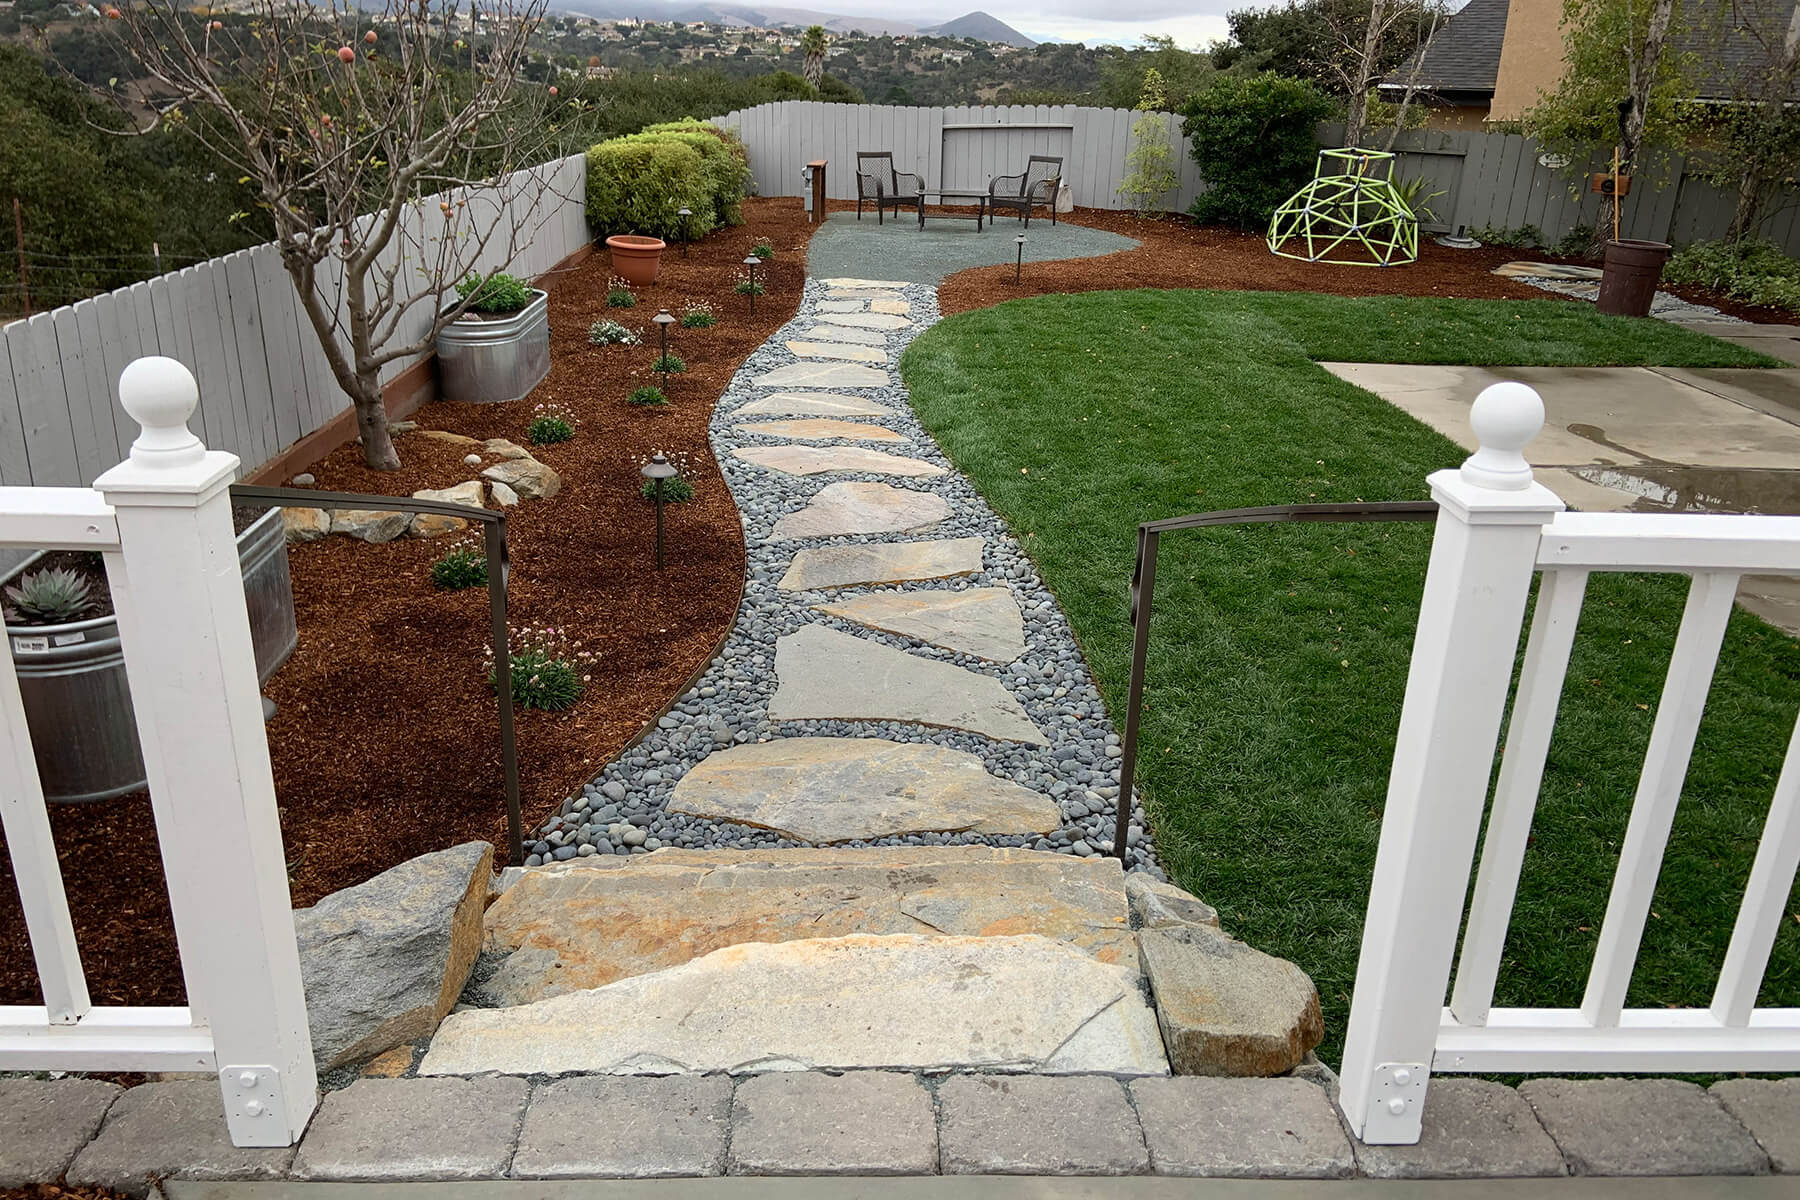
(386, 744)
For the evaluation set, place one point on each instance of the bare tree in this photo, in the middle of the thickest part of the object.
(390, 147)
(1756, 134)
(1412, 79)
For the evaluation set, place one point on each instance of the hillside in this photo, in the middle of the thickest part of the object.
(983, 28)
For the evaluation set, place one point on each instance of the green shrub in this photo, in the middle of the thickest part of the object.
(1254, 141)
(648, 397)
(1752, 272)
(548, 669)
(763, 249)
(464, 566)
(726, 165)
(1510, 237)
(636, 185)
(669, 364)
(550, 424)
(618, 295)
(676, 490)
(1575, 243)
(498, 293)
(746, 286)
(698, 315)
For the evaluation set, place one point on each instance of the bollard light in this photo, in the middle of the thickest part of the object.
(658, 471)
(752, 262)
(662, 321)
(1019, 266)
(683, 214)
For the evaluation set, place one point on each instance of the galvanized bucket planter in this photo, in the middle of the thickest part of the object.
(72, 677)
(490, 359)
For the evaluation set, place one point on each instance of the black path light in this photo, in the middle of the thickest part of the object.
(752, 262)
(1019, 266)
(684, 214)
(659, 470)
(662, 321)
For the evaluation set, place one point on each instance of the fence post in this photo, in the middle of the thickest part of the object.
(179, 596)
(1483, 555)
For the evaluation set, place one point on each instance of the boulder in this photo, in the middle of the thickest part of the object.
(444, 435)
(502, 448)
(436, 524)
(1226, 1008)
(402, 426)
(369, 524)
(504, 496)
(1158, 905)
(305, 524)
(526, 476)
(384, 961)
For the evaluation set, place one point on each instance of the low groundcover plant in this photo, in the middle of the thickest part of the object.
(549, 668)
(550, 423)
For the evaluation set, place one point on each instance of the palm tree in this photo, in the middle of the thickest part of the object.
(813, 43)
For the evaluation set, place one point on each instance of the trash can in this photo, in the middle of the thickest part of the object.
(1629, 277)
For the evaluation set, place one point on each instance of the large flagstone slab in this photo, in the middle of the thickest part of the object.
(813, 404)
(845, 508)
(982, 621)
(1022, 1003)
(825, 675)
(823, 375)
(846, 333)
(859, 294)
(585, 923)
(842, 306)
(819, 460)
(898, 308)
(863, 320)
(821, 429)
(879, 562)
(840, 350)
(828, 789)
(888, 284)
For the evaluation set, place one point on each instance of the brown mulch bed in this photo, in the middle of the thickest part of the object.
(386, 742)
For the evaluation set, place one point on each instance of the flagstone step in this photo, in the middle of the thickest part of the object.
(985, 622)
(859, 294)
(863, 320)
(892, 285)
(843, 306)
(591, 921)
(850, 508)
(847, 333)
(823, 375)
(837, 350)
(827, 789)
(1014, 1003)
(826, 675)
(822, 429)
(898, 308)
(820, 460)
(813, 404)
(880, 562)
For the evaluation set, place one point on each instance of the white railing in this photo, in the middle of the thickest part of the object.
(162, 520)
(1497, 528)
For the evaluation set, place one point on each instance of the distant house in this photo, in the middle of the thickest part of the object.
(956, 56)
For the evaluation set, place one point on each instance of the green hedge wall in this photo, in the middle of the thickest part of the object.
(637, 183)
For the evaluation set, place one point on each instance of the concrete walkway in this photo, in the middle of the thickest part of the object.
(898, 249)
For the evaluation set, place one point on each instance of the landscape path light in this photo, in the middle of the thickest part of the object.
(662, 321)
(1019, 265)
(683, 214)
(752, 262)
(659, 470)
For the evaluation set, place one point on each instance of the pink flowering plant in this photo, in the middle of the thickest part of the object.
(549, 668)
(550, 423)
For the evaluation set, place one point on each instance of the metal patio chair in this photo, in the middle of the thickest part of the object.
(1038, 185)
(878, 182)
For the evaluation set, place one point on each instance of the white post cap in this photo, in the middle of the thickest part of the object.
(160, 394)
(1505, 417)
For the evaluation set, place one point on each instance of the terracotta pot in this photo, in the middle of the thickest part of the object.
(635, 258)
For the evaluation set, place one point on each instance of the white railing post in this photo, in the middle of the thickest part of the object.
(1483, 555)
(179, 596)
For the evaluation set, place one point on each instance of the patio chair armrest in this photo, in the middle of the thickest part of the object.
(1012, 183)
(1044, 190)
(908, 184)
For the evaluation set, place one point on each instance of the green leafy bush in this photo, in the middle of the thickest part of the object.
(610, 333)
(669, 364)
(548, 669)
(676, 490)
(1752, 272)
(618, 295)
(464, 566)
(498, 293)
(724, 162)
(1575, 243)
(763, 249)
(698, 315)
(636, 185)
(748, 286)
(550, 424)
(648, 397)
(1510, 237)
(1254, 141)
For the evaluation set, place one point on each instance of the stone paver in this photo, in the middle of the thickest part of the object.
(813, 404)
(820, 460)
(880, 562)
(170, 1130)
(859, 294)
(846, 508)
(1020, 1003)
(985, 622)
(425, 1129)
(823, 375)
(825, 675)
(1642, 1127)
(863, 320)
(864, 1123)
(847, 333)
(1243, 1128)
(898, 308)
(821, 429)
(838, 350)
(1473, 1128)
(1770, 1110)
(626, 1128)
(1038, 1125)
(885, 284)
(44, 1123)
(1227, 1008)
(823, 790)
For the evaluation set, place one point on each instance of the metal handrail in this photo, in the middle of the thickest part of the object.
(1143, 589)
(494, 544)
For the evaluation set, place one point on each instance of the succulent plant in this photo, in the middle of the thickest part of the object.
(49, 597)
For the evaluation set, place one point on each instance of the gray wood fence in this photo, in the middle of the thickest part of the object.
(237, 323)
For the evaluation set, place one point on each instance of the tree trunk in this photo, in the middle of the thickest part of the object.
(372, 424)
(1358, 110)
(1749, 206)
(1643, 82)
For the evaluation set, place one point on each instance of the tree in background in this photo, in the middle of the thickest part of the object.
(812, 44)
(1254, 138)
(1754, 142)
(1326, 41)
(1149, 163)
(1183, 72)
(344, 124)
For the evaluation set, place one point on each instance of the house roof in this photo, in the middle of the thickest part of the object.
(1463, 55)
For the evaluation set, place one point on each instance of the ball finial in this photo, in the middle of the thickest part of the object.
(160, 394)
(1505, 416)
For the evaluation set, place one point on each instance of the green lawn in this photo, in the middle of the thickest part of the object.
(1279, 653)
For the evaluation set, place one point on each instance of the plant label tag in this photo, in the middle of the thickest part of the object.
(31, 645)
(68, 639)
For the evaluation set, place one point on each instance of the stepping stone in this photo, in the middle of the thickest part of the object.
(842, 306)
(889, 284)
(985, 622)
(844, 508)
(818, 460)
(588, 922)
(864, 320)
(867, 354)
(1014, 1003)
(880, 562)
(825, 675)
(828, 789)
(1540, 270)
(813, 404)
(823, 375)
(844, 333)
(898, 308)
(865, 294)
(821, 429)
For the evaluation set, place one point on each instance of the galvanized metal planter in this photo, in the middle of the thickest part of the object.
(72, 677)
(493, 359)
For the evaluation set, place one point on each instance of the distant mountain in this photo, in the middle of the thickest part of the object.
(981, 27)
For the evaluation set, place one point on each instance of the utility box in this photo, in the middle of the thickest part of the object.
(812, 175)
